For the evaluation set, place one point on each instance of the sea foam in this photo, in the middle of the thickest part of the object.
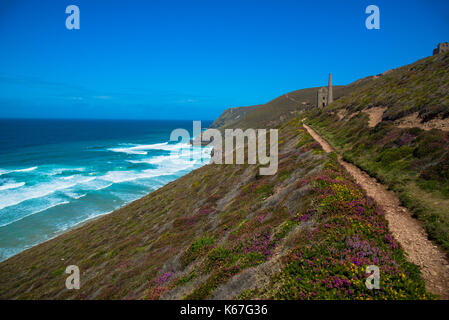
(11, 186)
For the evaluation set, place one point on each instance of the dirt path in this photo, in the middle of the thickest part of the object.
(375, 115)
(406, 230)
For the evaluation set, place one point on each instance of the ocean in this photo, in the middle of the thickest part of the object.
(55, 174)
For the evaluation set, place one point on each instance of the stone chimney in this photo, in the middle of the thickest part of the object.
(330, 96)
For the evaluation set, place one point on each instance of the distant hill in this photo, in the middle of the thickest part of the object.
(231, 116)
(280, 109)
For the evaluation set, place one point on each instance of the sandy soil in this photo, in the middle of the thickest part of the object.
(341, 114)
(413, 120)
(375, 115)
(405, 229)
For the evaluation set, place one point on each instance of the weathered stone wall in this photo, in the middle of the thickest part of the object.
(325, 95)
(441, 48)
(322, 95)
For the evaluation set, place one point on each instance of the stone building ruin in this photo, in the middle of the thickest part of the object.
(325, 94)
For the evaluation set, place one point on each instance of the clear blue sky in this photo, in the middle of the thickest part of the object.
(191, 59)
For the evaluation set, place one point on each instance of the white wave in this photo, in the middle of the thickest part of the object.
(127, 151)
(163, 146)
(190, 152)
(61, 170)
(75, 195)
(104, 187)
(79, 197)
(142, 148)
(167, 169)
(34, 212)
(155, 160)
(155, 146)
(3, 171)
(87, 180)
(11, 186)
(25, 170)
(93, 184)
(12, 198)
(120, 176)
(49, 207)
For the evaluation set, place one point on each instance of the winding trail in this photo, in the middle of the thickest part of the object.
(405, 229)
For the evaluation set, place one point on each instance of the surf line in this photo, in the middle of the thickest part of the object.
(256, 144)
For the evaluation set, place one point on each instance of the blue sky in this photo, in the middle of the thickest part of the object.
(191, 59)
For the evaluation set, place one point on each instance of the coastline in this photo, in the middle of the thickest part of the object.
(86, 180)
(95, 218)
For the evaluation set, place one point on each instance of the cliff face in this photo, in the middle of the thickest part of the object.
(231, 116)
(224, 231)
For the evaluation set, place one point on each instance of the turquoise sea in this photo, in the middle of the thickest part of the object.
(55, 174)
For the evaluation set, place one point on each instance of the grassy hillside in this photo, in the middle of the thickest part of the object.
(409, 148)
(231, 116)
(308, 232)
(223, 231)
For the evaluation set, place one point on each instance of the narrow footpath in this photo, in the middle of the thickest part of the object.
(405, 229)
